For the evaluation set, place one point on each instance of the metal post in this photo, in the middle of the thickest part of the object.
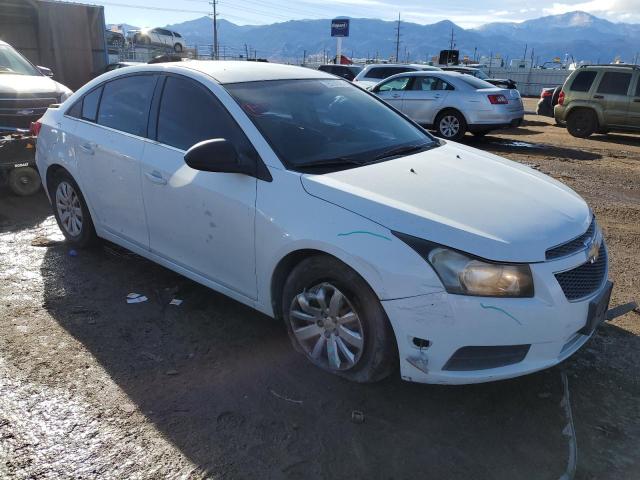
(338, 50)
(214, 3)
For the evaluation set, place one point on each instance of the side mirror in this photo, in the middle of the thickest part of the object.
(216, 155)
(375, 89)
(46, 71)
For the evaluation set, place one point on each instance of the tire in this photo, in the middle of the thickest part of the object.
(177, 48)
(582, 123)
(363, 330)
(554, 98)
(66, 197)
(451, 125)
(24, 181)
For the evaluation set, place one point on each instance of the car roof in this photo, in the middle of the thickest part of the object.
(458, 67)
(4, 43)
(412, 65)
(238, 71)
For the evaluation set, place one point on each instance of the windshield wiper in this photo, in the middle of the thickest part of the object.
(331, 162)
(404, 150)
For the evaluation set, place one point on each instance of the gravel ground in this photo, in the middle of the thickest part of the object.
(92, 387)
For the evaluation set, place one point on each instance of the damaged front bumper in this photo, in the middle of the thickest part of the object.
(456, 339)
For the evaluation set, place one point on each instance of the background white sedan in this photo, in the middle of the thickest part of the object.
(452, 103)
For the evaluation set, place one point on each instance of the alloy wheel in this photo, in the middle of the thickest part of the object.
(449, 126)
(327, 327)
(69, 209)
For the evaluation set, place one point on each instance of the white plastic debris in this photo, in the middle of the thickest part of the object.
(176, 301)
(136, 298)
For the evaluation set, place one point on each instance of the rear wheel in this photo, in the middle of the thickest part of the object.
(24, 181)
(177, 48)
(336, 320)
(71, 210)
(582, 123)
(451, 125)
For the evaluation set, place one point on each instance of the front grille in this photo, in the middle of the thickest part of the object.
(20, 112)
(484, 358)
(573, 246)
(585, 279)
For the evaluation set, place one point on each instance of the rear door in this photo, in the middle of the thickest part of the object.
(425, 98)
(109, 147)
(392, 91)
(613, 94)
(633, 115)
(201, 221)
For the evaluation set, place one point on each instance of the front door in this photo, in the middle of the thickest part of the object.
(201, 221)
(392, 91)
(109, 147)
(613, 95)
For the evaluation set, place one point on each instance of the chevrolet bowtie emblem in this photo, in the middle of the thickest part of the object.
(593, 249)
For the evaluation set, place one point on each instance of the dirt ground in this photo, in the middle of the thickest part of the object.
(92, 387)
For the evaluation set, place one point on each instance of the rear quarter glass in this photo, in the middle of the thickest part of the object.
(583, 81)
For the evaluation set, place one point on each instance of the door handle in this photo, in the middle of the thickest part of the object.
(88, 147)
(155, 177)
(598, 96)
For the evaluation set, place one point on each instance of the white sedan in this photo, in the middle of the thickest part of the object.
(452, 103)
(311, 200)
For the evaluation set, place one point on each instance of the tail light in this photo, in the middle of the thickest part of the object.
(546, 93)
(561, 97)
(498, 99)
(34, 128)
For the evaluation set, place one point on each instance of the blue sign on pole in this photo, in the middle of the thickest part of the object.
(340, 27)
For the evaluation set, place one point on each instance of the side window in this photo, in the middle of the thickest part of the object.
(583, 81)
(189, 114)
(125, 104)
(378, 73)
(426, 83)
(442, 85)
(638, 87)
(90, 105)
(177, 35)
(615, 83)
(395, 85)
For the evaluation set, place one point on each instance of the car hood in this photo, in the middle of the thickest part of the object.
(25, 86)
(462, 198)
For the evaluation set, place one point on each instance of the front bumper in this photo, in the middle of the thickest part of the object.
(431, 329)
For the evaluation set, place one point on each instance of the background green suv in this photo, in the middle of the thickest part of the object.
(600, 98)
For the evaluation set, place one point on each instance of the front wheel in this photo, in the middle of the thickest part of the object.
(451, 125)
(70, 210)
(336, 320)
(177, 48)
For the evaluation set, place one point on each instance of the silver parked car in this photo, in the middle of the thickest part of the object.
(372, 74)
(452, 103)
(159, 37)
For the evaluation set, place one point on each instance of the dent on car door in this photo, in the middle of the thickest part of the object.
(201, 221)
(423, 101)
(109, 149)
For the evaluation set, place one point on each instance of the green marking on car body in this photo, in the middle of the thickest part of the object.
(363, 232)
(491, 307)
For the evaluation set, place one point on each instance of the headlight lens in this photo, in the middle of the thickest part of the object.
(465, 274)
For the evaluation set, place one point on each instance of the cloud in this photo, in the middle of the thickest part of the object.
(617, 10)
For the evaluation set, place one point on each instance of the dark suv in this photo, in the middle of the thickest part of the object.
(600, 99)
(348, 72)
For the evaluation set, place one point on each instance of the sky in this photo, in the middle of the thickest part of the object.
(466, 13)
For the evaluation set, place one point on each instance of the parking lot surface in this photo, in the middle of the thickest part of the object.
(91, 386)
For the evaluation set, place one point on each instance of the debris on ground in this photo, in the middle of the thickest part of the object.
(287, 399)
(176, 301)
(136, 298)
(357, 416)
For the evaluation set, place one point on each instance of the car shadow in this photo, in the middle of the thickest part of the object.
(223, 383)
(19, 213)
(619, 139)
(503, 145)
(518, 131)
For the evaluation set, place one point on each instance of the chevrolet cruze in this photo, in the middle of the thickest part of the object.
(311, 200)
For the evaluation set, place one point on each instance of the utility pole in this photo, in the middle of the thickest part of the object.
(304, 58)
(246, 52)
(398, 40)
(214, 3)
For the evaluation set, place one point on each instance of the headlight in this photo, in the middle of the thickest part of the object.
(464, 274)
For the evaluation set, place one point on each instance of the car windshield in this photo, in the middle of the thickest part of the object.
(328, 123)
(14, 63)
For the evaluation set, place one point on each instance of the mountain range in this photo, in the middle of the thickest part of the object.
(577, 34)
